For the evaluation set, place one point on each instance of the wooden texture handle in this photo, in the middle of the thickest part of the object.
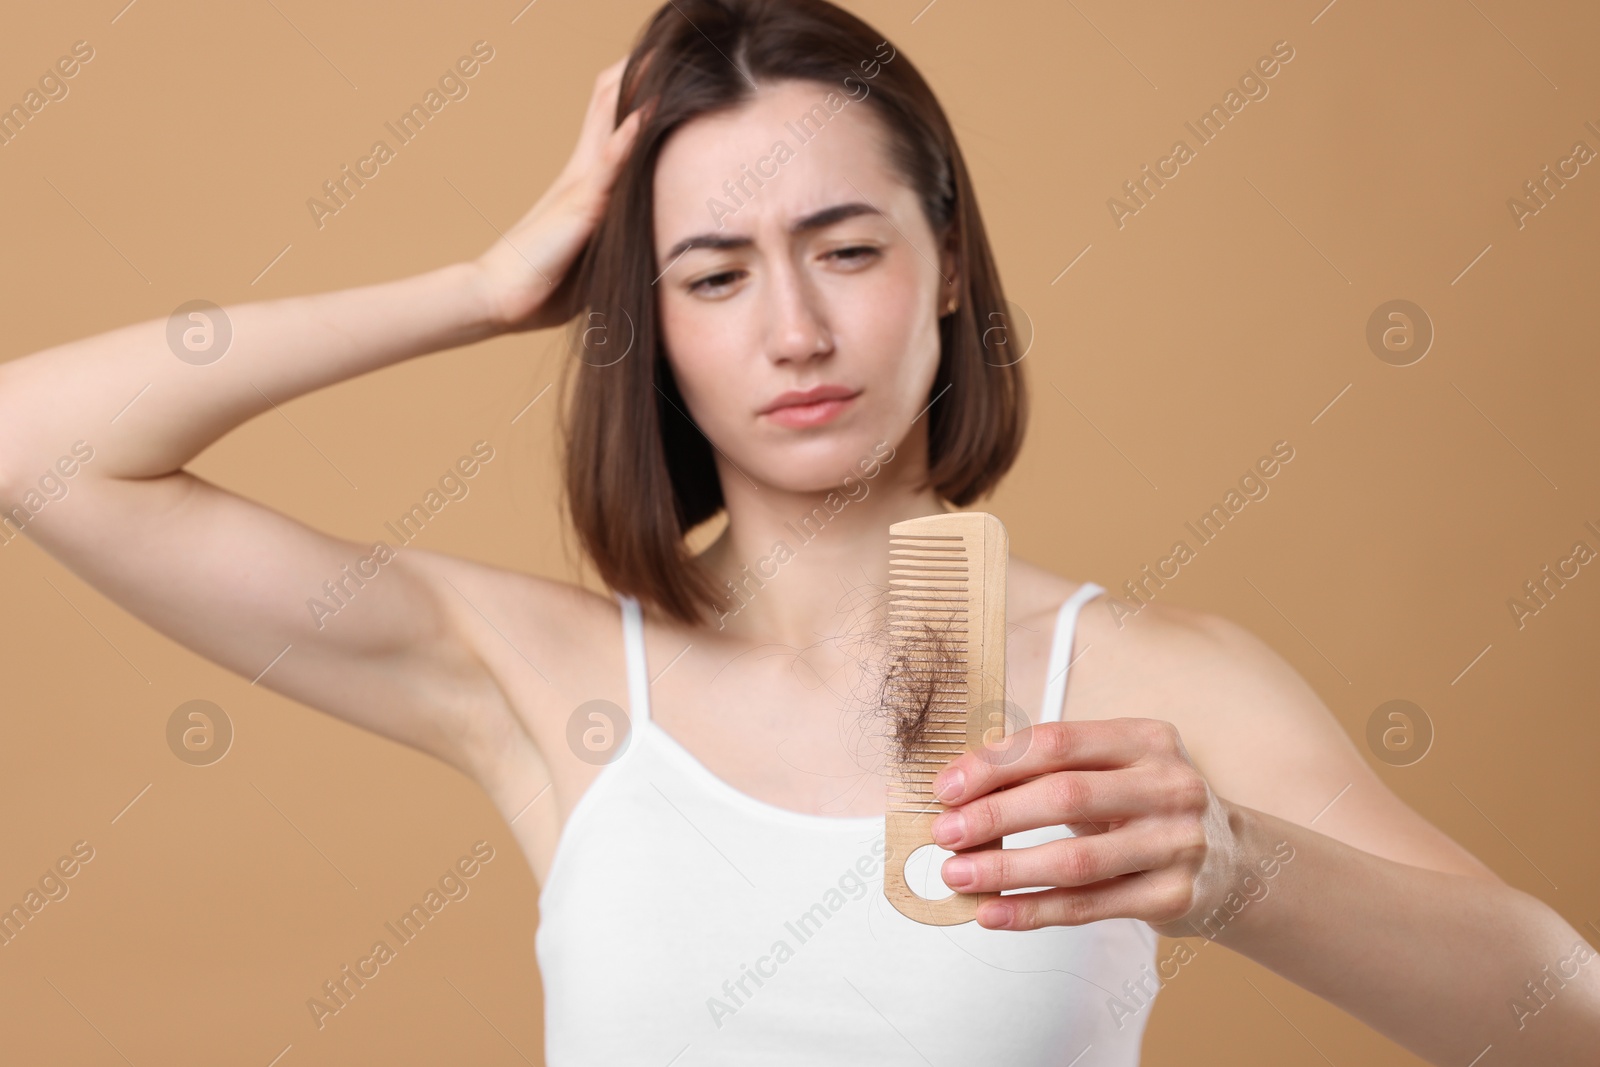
(903, 835)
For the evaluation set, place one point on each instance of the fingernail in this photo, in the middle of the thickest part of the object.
(998, 914)
(957, 871)
(949, 785)
(949, 827)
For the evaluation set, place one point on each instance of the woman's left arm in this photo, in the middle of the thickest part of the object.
(1375, 910)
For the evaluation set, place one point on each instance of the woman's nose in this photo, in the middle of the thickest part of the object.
(797, 329)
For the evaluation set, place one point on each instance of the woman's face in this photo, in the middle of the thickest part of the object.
(813, 266)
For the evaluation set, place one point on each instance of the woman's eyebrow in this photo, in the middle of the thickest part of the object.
(814, 221)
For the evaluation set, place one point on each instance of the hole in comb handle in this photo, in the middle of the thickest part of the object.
(923, 872)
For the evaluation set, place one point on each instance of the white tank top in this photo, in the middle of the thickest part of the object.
(684, 922)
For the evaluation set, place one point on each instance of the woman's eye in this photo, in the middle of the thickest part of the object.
(854, 254)
(714, 281)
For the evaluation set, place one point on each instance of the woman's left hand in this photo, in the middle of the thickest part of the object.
(1153, 841)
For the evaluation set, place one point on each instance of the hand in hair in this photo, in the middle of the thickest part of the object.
(525, 273)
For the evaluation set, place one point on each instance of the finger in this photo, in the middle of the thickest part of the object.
(603, 174)
(1159, 898)
(599, 120)
(618, 140)
(1070, 861)
(607, 81)
(1090, 744)
(585, 193)
(1082, 796)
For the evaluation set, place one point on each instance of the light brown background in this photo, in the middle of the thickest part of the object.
(1225, 316)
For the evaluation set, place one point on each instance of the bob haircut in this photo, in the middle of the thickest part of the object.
(639, 474)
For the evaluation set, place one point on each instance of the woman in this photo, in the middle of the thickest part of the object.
(786, 308)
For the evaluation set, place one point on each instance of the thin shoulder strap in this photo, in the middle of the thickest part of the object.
(633, 649)
(1055, 686)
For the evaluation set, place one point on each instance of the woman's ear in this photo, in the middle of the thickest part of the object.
(950, 272)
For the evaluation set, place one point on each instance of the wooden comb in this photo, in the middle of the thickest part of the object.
(947, 646)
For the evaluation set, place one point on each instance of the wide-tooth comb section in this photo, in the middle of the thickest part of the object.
(946, 636)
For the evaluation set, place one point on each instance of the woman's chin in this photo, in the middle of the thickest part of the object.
(817, 466)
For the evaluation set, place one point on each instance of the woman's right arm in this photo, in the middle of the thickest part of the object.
(220, 574)
(230, 578)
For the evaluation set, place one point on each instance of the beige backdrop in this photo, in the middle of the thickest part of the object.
(1229, 312)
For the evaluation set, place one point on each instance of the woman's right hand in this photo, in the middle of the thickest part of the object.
(525, 273)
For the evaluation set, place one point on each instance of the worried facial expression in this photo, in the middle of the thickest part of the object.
(794, 258)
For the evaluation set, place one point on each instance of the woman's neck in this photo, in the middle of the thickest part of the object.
(793, 566)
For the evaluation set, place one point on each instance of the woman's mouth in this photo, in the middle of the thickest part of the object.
(810, 407)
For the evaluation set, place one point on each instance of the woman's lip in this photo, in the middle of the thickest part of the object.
(813, 414)
(809, 396)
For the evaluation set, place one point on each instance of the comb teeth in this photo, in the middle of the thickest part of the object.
(929, 611)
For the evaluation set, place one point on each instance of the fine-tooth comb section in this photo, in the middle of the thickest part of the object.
(945, 690)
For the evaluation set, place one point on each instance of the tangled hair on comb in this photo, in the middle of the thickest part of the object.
(900, 672)
(915, 675)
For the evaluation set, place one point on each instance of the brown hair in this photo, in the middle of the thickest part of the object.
(639, 473)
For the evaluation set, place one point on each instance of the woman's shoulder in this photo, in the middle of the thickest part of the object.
(1034, 593)
(1233, 698)
(1169, 660)
(1152, 629)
